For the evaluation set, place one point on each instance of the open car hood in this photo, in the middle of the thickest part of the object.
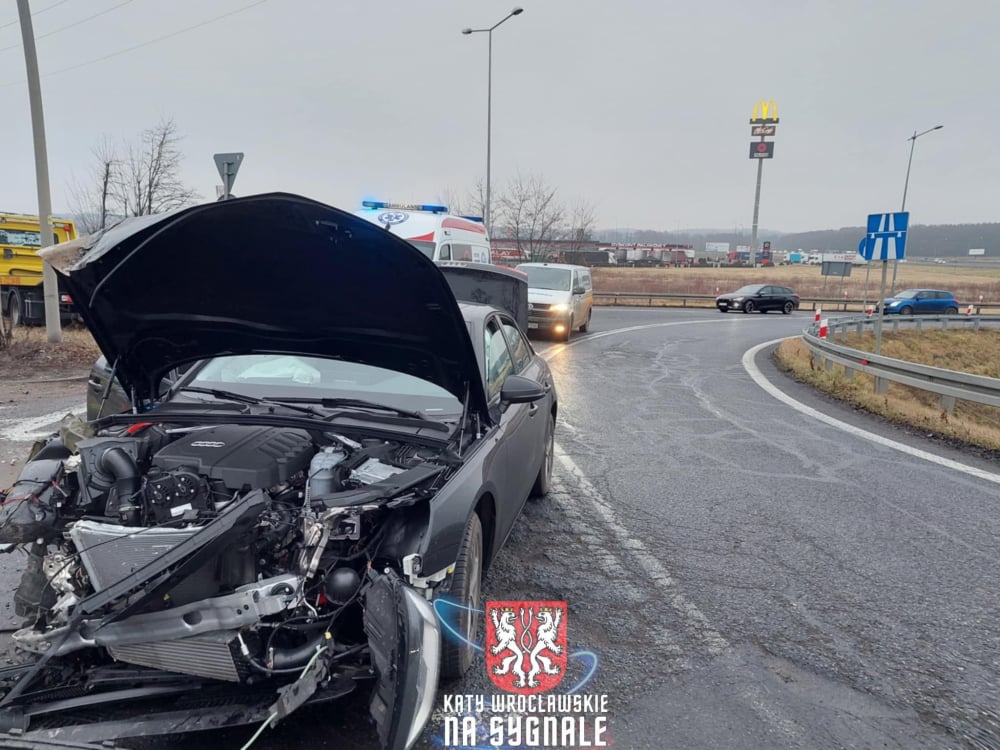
(273, 273)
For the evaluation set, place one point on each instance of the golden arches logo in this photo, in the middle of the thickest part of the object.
(764, 111)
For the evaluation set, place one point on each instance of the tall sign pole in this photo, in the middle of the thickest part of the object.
(885, 238)
(50, 285)
(764, 121)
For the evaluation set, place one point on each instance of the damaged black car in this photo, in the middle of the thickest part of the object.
(291, 519)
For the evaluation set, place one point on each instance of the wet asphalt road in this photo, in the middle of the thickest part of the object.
(747, 575)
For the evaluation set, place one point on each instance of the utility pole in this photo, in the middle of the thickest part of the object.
(50, 284)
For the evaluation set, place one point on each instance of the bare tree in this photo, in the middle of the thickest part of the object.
(581, 224)
(453, 200)
(150, 180)
(133, 179)
(475, 199)
(472, 203)
(94, 201)
(527, 211)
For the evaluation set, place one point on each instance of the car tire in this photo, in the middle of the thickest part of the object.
(568, 332)
(13, 311)
(586, 324)
(723, 310)
(466, 583)
(906, 310)
(787, 308)
(748, 306)
(951, 311)
(543, 482)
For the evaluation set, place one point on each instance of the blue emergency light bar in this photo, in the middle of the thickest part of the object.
(474, 218)
(406, 206)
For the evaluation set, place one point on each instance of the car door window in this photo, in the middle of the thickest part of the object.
(445, 253)
(498, 360)
(518, 347)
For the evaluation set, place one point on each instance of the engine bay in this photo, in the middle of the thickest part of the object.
(230, 552)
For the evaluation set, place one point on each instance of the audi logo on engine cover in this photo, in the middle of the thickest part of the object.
(207, 444)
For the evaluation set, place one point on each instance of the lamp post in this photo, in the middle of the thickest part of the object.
(881, 385)
(489, 105)
(913, 142)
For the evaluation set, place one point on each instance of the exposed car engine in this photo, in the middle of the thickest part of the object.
(232, 552)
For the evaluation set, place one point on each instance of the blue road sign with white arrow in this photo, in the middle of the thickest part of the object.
(886, 237)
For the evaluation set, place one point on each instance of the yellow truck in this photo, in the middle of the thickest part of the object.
(21, 299)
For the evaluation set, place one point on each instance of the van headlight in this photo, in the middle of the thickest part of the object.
(560, 308)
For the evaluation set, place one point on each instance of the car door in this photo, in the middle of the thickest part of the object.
(577, 299)
(923, 302)
(765, 298)
(532, 432)
(514, 425)
(116, 402)
(588, 294)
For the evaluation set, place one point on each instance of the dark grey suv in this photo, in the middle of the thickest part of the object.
(759, 297)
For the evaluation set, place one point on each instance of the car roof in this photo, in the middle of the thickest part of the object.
(553, 265)
(478, 310)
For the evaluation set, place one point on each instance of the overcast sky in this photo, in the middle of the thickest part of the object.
(638, 106)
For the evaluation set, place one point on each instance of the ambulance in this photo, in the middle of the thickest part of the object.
(431, 229)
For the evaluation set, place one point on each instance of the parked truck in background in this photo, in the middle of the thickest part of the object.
(588, 257)
(21, 299)
(818, 259)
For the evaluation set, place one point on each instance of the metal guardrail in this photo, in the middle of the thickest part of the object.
(657, 299)
(948, 384)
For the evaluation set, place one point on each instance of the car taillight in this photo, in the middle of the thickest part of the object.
(65, 298)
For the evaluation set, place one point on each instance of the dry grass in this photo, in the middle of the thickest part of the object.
(29, 354)
(977, 353)
(966, 283)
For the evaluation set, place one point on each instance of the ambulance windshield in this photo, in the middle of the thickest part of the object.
(427, 248)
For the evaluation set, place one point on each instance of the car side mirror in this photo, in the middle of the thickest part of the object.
(518, 389)
(579, 290)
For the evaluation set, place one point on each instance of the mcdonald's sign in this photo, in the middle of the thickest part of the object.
(764, 112)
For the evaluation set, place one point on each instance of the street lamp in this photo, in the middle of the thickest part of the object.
(913, 142)
(881, 385)
(489, 104)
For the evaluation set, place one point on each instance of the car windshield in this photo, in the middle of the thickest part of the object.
(294, 376)
(749, 289)
(543, 277)
(907, 294)
(427, 248)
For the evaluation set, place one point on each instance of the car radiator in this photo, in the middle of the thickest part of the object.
(213, 655)
(110, 552)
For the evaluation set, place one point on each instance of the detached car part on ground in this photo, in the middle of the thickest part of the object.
(275, 530)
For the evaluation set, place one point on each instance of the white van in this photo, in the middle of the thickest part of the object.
(432, 230)
(560, 297)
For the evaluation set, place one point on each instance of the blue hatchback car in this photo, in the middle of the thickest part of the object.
(921, 301)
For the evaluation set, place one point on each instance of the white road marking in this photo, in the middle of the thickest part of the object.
(763, 382)
(561, 347)
(635, 549)
(24, 430)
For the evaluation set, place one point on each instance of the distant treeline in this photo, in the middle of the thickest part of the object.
(925, 240)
